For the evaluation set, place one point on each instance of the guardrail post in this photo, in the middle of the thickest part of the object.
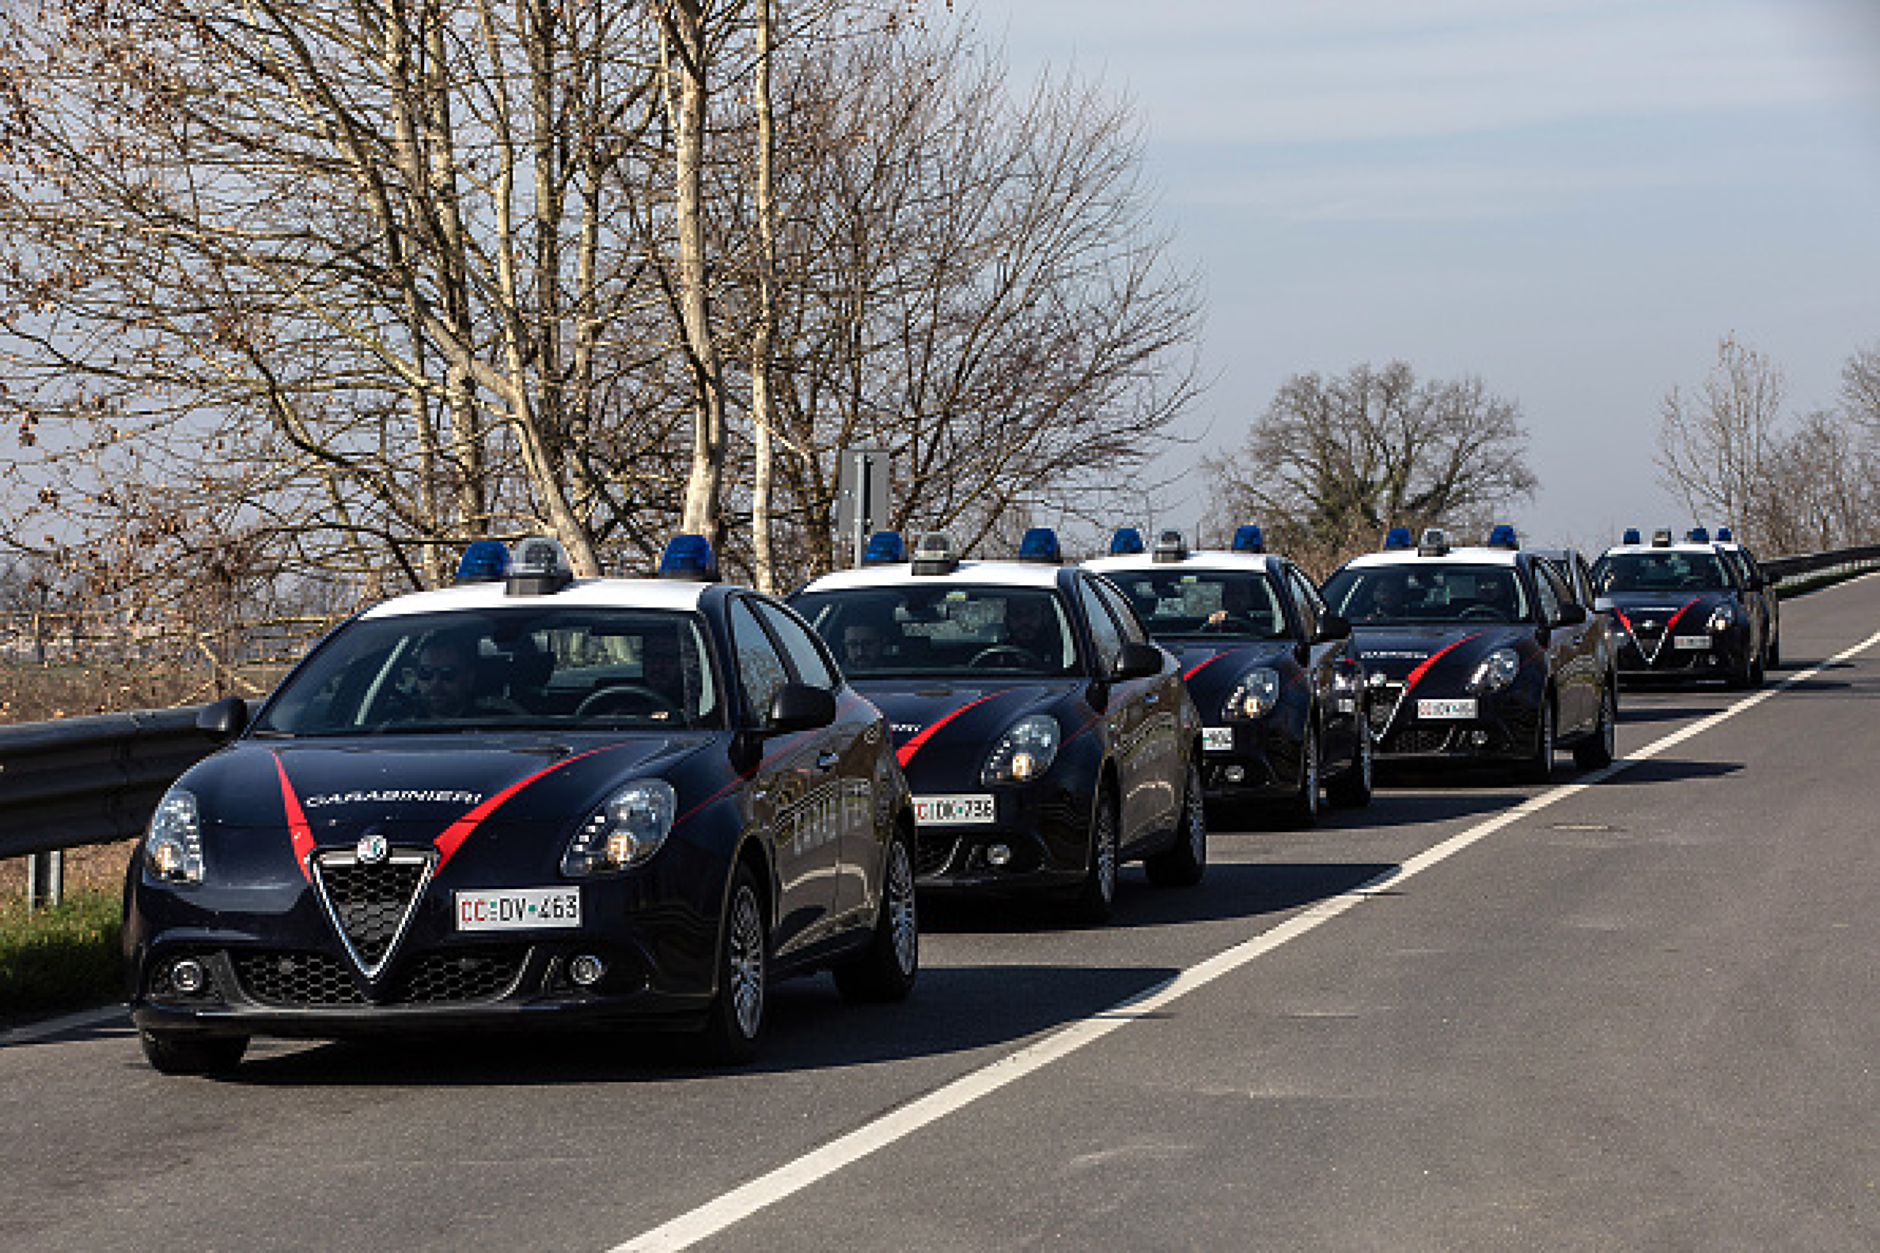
(45, 879)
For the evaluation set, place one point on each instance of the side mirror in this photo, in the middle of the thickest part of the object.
(224, 720)
(1571, 614)
(1136, 661)
(1332, 627)
(800, 707)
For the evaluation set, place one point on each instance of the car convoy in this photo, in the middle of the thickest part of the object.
(534, 800)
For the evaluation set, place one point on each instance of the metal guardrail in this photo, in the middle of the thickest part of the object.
(1840, 560)
(91, 780)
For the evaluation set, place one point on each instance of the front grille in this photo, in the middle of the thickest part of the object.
(371, 902)
(1419, 739)
(454, 977)
(933, 852)
(296, 979)
(1382, 705)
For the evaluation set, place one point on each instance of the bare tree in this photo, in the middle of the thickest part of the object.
(1860, 390)
(1334, 462)
(1713, 447)
(1816, 489)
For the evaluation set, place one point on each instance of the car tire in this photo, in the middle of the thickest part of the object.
(1184, 862)
(1750, 676)
(887, 967)
(1775, 653)
(187, 1053)
(1302, 809)
(734, 1026)
(1351, 787)
(1097, 897)
(1538, 766)
(1596, 751)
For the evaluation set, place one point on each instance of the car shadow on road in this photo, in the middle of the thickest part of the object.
(1674, 770)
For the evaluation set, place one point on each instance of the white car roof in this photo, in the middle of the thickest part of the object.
(1454, 557)
(1038, 574)
(679, 595)
(1204, 560)
(1684, 547)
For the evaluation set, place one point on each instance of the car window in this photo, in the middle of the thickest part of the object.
(522, 667)
(760, 667)
(943, 629)
(1105, 640)
(1427, 592)
(1548, 588)
(1306, 597)
(1659, 571)
(1122, 611)
(805, 654)
(1203, 604)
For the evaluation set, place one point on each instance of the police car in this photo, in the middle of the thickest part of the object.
(1477, 653)
(1271, 669)
(1684, 610)
(1046, 739)
(525, 800)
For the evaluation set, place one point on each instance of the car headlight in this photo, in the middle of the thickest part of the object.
(173, 844)
(625, 831)
(1254, 696)
(1496, 671)
(1723, 619)
(1024, 752)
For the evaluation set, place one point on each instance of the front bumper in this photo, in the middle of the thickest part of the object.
(1502, 729)
(1039, 838)
(1723, 654)
(1248, 761)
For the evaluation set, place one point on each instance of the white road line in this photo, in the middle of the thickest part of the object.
(818, 1164)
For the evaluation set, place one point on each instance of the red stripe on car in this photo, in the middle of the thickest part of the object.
(905, 753)
(1423, 667)
(299, 834)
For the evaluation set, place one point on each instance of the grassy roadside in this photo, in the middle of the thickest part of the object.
(61, 958)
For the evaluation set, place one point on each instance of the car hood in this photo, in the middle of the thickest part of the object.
(923, 711)
(1207, 668)
(1411, 654)
(1661, 609)
(420, 787)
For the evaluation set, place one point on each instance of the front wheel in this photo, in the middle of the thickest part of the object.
(1596, 752)
(1538, 767)
(1183, 863)
(735, 1024)
(885, 971)
(181, 1053)
(1097, 897)
(1303, 807)
(1351, 789)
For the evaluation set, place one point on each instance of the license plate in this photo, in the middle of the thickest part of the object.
(1217, 739)
(953, 810)
(1690, 641)
(1446, 708)
(519, 909)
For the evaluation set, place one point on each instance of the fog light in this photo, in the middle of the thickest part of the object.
(1235, 774)
(188, 977)
(998, 855)
(587, 970)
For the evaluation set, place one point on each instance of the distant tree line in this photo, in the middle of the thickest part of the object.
(1785, 482)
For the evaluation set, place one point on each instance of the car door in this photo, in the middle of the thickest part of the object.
(784, 788)
(1569, 653)
(1166, 726)
(846, 766)
(1309, 608)
(1125, 707)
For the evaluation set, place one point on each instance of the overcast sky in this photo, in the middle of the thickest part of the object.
(1572, 199)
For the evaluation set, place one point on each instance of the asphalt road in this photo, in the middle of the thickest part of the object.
(1632, 1010)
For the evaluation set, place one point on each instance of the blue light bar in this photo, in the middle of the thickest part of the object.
(1248, 539)
(884, 548)
(1397, 537)
(1126, 542)
(1502, 536)
(1040, 544)
(1725, 535)
(1631, 536)
(689, 557)
(1698, 535)
(486, 561)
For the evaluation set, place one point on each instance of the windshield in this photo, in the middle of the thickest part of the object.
(1204, 604)
(1416, 594)
(521, 668)
(947, 629)
(1659, 572)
